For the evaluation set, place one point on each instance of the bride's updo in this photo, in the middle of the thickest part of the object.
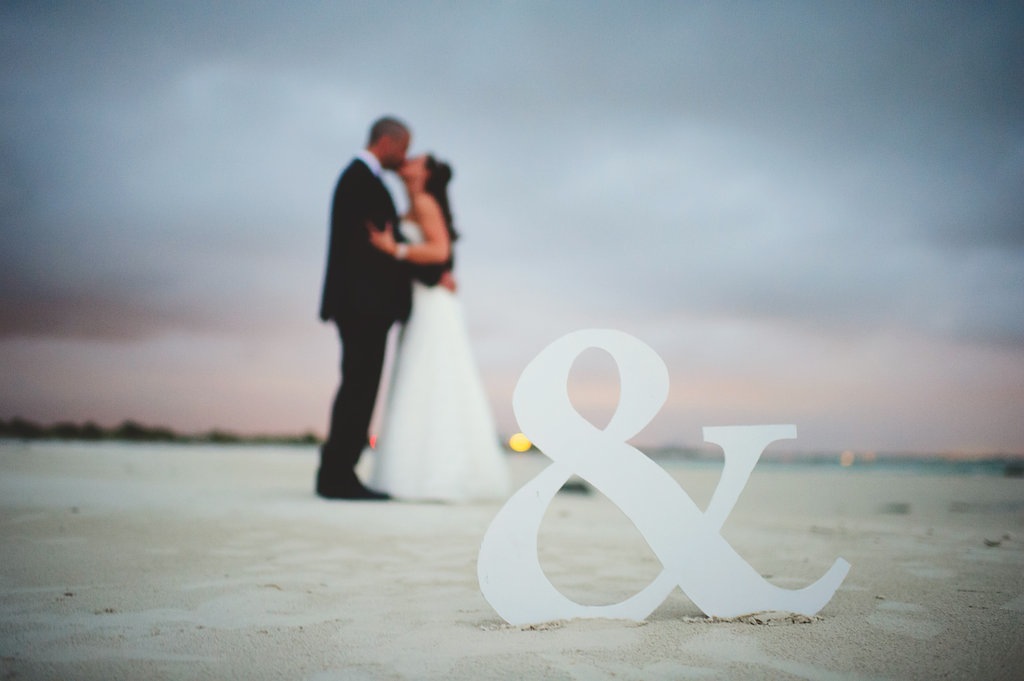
(439, 174)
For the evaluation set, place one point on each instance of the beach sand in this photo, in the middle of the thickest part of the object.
(125, 561)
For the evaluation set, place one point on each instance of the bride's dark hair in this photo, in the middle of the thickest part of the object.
(439, 175)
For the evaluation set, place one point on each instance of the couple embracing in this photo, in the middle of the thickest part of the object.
(438, 441)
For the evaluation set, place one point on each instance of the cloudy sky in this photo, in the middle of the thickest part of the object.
(812, 211)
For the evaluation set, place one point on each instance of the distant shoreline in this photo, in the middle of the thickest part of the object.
(1002, 464)
(133, 431)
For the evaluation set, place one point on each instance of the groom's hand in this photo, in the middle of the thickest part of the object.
(382, 239)
(448, 281)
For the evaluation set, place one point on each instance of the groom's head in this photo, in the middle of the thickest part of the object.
(389, 141)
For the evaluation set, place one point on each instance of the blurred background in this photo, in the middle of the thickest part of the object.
(812, 211)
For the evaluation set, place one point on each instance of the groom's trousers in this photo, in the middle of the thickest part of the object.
(363, 344)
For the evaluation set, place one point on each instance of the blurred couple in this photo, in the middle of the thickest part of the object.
(438, 441)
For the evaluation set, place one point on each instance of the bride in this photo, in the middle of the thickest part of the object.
(438, 441)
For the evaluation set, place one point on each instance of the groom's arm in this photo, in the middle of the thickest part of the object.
(348, 244)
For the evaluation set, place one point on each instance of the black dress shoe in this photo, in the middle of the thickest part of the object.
(359, 493)
(367, 494)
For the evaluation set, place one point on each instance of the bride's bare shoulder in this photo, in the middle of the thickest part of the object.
(429, 217)
(425, 209)
(425, 203)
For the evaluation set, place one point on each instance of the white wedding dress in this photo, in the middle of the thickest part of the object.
(437, 440)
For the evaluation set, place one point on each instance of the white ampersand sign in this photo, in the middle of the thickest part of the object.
(688, 542)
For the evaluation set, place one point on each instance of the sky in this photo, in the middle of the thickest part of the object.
(811, 211)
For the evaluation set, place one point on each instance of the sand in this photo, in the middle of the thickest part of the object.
(125, 561)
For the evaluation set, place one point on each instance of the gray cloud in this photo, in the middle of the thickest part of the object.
(165, 169)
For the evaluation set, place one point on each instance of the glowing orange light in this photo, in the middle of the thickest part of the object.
(519, 442)
(373, 441)
(846, 458)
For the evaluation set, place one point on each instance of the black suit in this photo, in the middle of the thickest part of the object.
(365, 292)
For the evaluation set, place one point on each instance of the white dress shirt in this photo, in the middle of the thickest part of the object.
(371, 161)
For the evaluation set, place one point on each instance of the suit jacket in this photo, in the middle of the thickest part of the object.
(359, 278)
(431, 274)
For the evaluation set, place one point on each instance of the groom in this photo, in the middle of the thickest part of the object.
(365, 292)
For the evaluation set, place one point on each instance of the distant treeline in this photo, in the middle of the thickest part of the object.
(133, 431)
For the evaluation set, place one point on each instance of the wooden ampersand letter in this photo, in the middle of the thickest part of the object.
(688, 542)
